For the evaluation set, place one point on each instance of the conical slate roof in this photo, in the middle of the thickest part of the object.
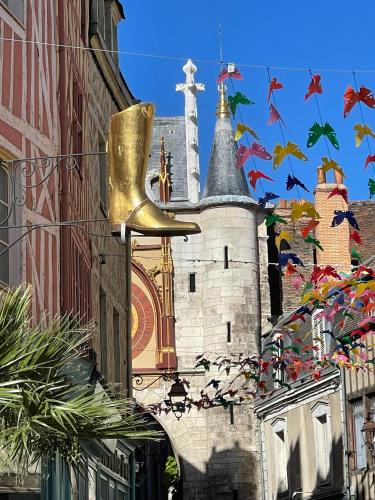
(223, 176)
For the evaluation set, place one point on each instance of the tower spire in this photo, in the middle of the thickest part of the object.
(222, 106)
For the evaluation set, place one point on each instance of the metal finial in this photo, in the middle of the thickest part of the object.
(222, 107)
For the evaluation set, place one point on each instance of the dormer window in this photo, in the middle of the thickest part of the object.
(105, 16)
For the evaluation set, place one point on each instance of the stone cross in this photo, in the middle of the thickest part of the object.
(190, 90)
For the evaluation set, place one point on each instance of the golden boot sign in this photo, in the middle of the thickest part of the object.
(129, 144)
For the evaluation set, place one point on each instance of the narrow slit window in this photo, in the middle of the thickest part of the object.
(226, 258)
(229, 331)
(315, 259)
(192, 286)
(231, 415)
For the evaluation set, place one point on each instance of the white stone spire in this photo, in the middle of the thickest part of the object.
(190, 89)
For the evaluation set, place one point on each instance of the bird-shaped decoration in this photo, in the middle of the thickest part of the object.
(280, 152)
(243, 153)
(316, 131)
(340, 215)
(305, 230)
(343, 192)
(274, 85)
(331, 165)
(314, 87)
(237, 98)
(369, 159)
(284, 258)
(313, 241)
(255, 175)
(230, 72)
(270, 219)
(351, 97)
(299, 209)
(355, 236)
(319, 273)
(293, 181)
(274, 116)
(361, 131)
(266, 198)
(241, 129)
(371, 185)
(355, 255)
(283, 236)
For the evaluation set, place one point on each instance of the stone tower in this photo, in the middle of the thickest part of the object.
(220, 315)
(221, 301)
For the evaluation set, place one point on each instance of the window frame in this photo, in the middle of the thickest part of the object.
(363, 448)
(319, 325)
(278, 426)
(13, 14)
(318, 411)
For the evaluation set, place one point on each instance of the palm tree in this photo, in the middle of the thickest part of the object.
(43, 409)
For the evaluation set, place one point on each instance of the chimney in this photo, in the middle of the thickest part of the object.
(334, 240)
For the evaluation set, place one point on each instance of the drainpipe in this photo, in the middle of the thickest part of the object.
(262, 456)
(344, 412)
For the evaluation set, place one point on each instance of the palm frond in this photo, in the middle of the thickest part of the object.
(44, 410)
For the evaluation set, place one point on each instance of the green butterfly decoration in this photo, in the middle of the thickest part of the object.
(316, 131)
(273, 218)
(236, 99)
(371, 185)
(355, 254)
(315, 242)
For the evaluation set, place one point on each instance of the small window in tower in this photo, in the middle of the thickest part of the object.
(192, 287)
(231, 414)
(226, 258)
(315, 260)
(229, 331)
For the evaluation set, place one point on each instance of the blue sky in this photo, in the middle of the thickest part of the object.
(322, 34)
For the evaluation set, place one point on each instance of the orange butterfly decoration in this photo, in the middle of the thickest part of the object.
(351, 98)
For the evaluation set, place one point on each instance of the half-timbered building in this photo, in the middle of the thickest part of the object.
(59, 85)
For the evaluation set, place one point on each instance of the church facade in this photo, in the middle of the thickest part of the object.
(209, 294)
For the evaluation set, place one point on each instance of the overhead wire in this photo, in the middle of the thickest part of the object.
(180, 58)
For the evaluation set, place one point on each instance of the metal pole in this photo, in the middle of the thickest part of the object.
(128, 306)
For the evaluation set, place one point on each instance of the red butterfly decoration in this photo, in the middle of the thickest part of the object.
(274, 85)
(254, 175)
(314, 87)
(310, 226)
(355, 236)
(320, 272)
(339, 192)
(351, 97)
(274, 116)
(369, 159)
(243, 153)
(224, 74)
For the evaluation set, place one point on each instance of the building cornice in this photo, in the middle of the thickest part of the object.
(287, 399)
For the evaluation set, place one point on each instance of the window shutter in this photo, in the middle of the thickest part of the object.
(360, 447)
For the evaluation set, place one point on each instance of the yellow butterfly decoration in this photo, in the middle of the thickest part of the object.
(283, 235)
(361, 287)
(280, 152)
(299, 209)
(361, 131)
(241, 129)
(331, 165)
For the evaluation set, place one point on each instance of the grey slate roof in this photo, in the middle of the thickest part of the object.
(172, 128)
(223, 176)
